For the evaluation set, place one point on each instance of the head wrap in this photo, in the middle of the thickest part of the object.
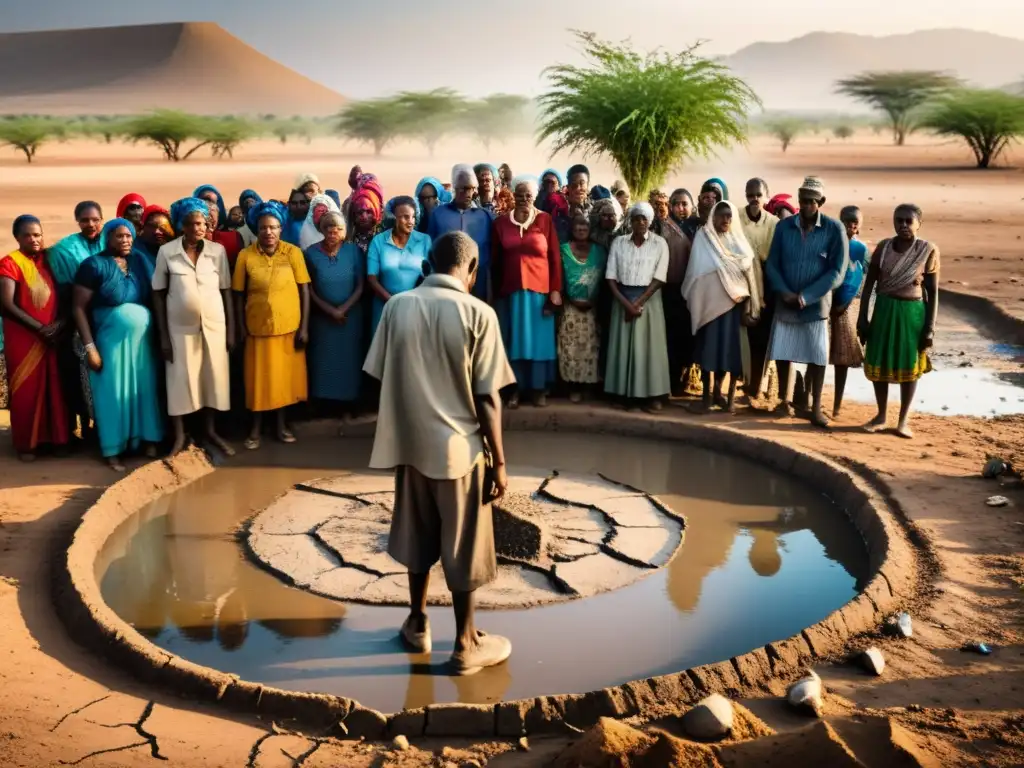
(813, 186)
(619, 186)
(25, 218)
(369, 198)
(182, 209)
(304, 178)
(552, 172)
(642, 209)
(578, 168)
(443, 195)
(222, 219)
(368, 182)
(532, 182)
(110, 226)
(716, 182)
(132, 198)
(270, 208)
(151, 210)
(333, 194)
(310, 232)
(780, 202)
(461, 171)
(249, 194)
(495, 175)
(598, 192)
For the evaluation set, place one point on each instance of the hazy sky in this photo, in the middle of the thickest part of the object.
(366, 48)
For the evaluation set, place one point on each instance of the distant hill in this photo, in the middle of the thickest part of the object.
(801, 73)
(118, 70)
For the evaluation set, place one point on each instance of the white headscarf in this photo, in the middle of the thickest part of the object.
(309, 234)
(720, 273)
(642, 209)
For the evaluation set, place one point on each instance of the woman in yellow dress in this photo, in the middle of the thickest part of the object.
(271, 288)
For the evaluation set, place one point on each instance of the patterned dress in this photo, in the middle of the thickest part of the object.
(579, 336)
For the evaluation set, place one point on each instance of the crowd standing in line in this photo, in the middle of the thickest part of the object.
(123, 330)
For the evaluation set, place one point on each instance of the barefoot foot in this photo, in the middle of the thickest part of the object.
(877, 424)
(904, 431)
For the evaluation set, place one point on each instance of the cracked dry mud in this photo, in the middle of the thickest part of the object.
(558, 536)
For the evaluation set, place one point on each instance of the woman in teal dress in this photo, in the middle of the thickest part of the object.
(579, 334)
(110, 309)
(334, 355)
(396, 257)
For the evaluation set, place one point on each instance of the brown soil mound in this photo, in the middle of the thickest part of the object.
(133, 69)
(609, 744)
(817, 744)
(670, 751)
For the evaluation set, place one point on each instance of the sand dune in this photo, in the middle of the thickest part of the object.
(116, 70)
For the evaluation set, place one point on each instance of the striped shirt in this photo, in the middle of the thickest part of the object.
(810, 264)
(637, 267)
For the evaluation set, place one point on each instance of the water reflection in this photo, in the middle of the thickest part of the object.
(762, 558)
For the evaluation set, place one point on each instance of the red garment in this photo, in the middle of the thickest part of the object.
(779, 202)
(151, 209)
(132, 198)
(531, 262)
(232, 242)
(38, 411)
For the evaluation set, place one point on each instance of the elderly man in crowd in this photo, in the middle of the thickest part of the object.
(441, 363)
(461, 215)
(807, 260)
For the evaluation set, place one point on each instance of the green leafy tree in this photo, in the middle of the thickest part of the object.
(648, 112)
(987, 120)
(496, 117)
(170, 130)
(785, 129)
(900, 95)
(227, 134)
(28, 134)
(842, 131)
(375, 121)
(430, 115)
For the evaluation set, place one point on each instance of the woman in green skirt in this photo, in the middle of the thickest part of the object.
(905, 271)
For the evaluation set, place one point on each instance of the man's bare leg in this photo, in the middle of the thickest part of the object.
(882, 400)
(474, 650)
(907, 391)
(786, 383)
(416, 629)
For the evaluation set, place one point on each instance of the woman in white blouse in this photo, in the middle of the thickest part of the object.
(637, 367)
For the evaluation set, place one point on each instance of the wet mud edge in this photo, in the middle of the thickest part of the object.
(895, 567)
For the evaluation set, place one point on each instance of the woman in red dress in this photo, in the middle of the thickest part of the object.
(32, 325)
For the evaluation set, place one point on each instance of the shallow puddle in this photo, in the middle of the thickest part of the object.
(763, 557)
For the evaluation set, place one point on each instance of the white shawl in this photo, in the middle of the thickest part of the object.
(309, 234)
(720, 273)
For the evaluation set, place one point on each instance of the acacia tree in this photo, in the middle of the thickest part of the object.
(496, 117)
(169, 130)
(785, 130)
(375, 121)
(987, 120)
(226, 134)
(28, 134)
(843, 131)
(647, 112)
(899, 94)
(429, 115)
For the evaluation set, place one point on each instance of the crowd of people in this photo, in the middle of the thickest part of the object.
(125, 331)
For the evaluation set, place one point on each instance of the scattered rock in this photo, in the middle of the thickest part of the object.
(901, 625)
(711, 719)
(873, 661)
(997, 501)
(994, 467)
(806, 693)
(983, 648)
(472, 763)
(400, 744)
(523, 745)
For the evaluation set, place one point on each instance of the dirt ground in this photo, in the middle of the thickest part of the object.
(61, 705)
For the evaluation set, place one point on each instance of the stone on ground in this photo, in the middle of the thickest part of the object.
(873, 661)
(806, 694)
(710, 719)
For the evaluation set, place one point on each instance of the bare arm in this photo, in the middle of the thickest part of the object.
(80, 298)
(488, 410)
(613, 285)
(377, 288)
(652, 289)
(12, 310)
(930, 288)
(865, 298)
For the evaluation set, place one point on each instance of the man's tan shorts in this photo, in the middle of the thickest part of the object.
(444, 520)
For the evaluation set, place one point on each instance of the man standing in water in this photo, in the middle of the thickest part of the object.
(806, 262)
(441, 363)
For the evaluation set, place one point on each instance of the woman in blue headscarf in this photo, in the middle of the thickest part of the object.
(246, 201)
(110, 309)
(551, 182)
(211, 194)
(430, 193)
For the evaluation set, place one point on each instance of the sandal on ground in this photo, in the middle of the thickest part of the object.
(252, 443)
(285, 436)
(414, 641)
(490, 651)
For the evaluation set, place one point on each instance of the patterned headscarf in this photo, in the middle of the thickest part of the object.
(222, 220)
(371, 199)
(310, 232)
(110, 226)
(182, 209)
(371, 183)
(132, 198)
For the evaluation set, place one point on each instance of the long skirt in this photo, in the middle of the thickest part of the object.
(124, 392)
(579, 346)
(799, 342)
(892, 355)
(333, 356)
(275, 372)
(717, 344)
(844, 347)
(200, 376)
(677, 331)
(38, 411)
(529, 336)
(637, 350)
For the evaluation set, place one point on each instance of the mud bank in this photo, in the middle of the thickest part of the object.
(893, 565)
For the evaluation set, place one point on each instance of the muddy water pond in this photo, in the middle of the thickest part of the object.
(763, 557)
